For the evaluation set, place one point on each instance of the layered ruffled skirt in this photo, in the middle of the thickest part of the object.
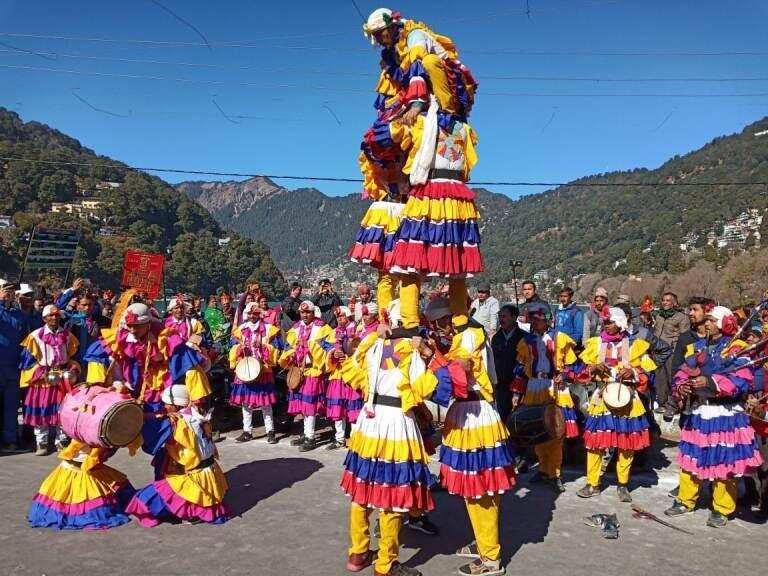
(256, 394)
(342, 402)
(375, 239)
(717, 442)
(386, 465)
(542, 390)
(626, 429)
(191, 496)
(438, 234)
(309, 398)
(41, 405)
(475, 458)
(73, 499)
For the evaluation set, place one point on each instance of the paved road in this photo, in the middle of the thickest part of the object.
(292, 519)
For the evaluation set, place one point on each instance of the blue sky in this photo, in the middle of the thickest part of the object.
(238, 116)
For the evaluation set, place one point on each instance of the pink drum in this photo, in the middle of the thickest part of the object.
(101, 417)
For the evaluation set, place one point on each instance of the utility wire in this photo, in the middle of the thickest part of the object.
(337, 179)
(334, 88)
(335, 72)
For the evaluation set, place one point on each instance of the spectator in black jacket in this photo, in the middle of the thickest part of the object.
(327, 301)
(533, 303)
(504, 344)
(291, 303)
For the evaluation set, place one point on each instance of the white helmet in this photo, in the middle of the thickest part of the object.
(379, 19)
(137, 313)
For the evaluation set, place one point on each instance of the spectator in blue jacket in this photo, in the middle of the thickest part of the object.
(568, 318)
(32, 317)
(80, 322)
(12, 332)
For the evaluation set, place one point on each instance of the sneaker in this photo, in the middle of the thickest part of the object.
(244, 437)
(42, 450)
(358, 562)
(623, 493)
(469, 551)
(308, 444)
(299, 441)
(271, 438)
(423, 524)
(557, 485)
(217, 437)
(479, 566)
(717, 520)
(398, 569)
(335, 445)
(674, 493)
(677, 509)
(588, 491)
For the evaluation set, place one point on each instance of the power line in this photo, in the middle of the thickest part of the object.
(335, 72)
(491, 51)
(334, 88)
(358, 180)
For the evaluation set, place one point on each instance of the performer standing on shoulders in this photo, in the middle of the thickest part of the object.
(255, 338)
(307, 346)
(46, 355)
(475, 458)
(717, 441)
(611, 358)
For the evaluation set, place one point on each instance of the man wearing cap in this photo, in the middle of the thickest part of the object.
(717, 442)
(476, 462)
(343, 403)
(326, 301)
(12, 332)
(593, 318)
(25, 297)
(47, 369)
(485, 309)
(611, 358)
(308, 344)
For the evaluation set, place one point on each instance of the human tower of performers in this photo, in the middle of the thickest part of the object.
(422, 223)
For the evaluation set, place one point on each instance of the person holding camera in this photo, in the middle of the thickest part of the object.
(12, 331)
(327, 301)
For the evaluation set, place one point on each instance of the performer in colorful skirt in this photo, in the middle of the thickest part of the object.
(82, 493)
(369, 321)
(539, 380)
(343, 403)
(191, 486)
(476, 461)
(307, 346)
(425, 96)
(255, 338)
(179, 326)
(611, 358)
(386, 466)
(46, 357)
(717, 442)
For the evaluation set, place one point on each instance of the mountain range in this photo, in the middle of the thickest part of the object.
(611, 223)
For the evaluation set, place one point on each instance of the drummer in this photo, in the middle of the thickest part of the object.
(179, 325)
(46, 362)
(260, 341)
(539, 380)
(607, 358)
(307, 346)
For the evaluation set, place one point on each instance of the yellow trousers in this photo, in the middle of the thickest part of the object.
(438, 79)
(360, 535)
(724, 493)
(484, 517)
(595, 466)
(550, 455)
(410, 291)
(386, 289)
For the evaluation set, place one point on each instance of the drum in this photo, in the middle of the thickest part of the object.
(617, 396)
(532, 425)
(248, 369)
(101, 417)
(294, 378)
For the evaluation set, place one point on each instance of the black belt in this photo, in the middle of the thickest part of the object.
(471, 397)
(382, 400)
(447, 174)
(205, 463)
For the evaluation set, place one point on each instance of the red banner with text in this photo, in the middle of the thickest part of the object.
(143, 271)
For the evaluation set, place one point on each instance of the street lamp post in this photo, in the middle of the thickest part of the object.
(515, 264)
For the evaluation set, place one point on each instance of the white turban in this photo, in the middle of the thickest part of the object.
(379, 19)
(618, 317)
(52, 309)
(725, 319)
(250, 306)
(176, 395)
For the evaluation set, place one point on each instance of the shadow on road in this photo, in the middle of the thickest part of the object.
(253, 482)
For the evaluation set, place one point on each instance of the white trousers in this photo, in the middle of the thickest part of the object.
(341, 429)
(266, 411)
(309, 427)
(41, 434)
